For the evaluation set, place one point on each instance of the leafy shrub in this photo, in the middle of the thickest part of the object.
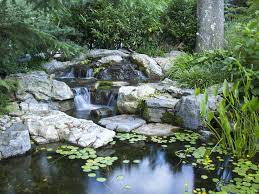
(110, 24)
(201, 70)
(243, 41)
(179, 24)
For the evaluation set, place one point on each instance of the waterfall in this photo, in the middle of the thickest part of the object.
(82, 98)
(111, 100)
(89, 72)
(70, 74)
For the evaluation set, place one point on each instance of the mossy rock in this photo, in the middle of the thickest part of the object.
(171, 118)
(104, 85)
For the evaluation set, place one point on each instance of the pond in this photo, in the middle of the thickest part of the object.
(133, 164)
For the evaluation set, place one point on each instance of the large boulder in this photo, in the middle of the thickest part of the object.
(149, 65)
(125, 71)
(113, 59)
(129, 97)
(122, 123)
(187, 110)
(157, 129)
(55, 66)
(41, 86)
(99, 53)
(55, 126)
(14, 137)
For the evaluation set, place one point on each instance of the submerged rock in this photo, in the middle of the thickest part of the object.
(14, 137)
(150, 66)
(122, 123)
(157, 129)
(55, 126)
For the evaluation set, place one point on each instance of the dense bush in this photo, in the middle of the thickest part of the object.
(201, 70)
(179, 24)
(149, 26)
(112, 24)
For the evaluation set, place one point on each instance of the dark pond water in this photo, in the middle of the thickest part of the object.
(159, 171)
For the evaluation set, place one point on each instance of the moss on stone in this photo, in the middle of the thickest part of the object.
(171, 118)
(146, 114)
(104, 85)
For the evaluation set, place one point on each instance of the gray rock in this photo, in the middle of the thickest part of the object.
(151, 68)
(54, 66)
(168, 61)
(161, 102)
(60, 91)
(55, 126)
(157, 106)
(157, 129)
(14, 139)
(129, 97)
(41, 86)
(154, 115)
(122, 123)
(113, 59)
(99, 53)
(188, 110)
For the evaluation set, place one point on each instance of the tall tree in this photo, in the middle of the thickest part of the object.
(210, 33)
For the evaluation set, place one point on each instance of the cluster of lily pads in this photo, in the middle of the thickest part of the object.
(189, 136)
(99, 162)
(93, 162)
(247, 180)
(131, 137)
(75, 153)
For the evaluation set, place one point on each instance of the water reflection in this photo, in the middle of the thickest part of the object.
(158, 172)
(153, 175)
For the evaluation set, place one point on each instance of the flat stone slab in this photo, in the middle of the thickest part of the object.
(161, 102)
(122, 123)
(157, 129)
(55, 126)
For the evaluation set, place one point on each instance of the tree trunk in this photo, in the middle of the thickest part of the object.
(210, 25)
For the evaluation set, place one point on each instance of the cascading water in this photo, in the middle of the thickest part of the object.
(70, 74)
(89, 73)
(111, 100)
(82, 98)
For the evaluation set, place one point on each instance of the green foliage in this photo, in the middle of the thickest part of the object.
(237, 119)
(6, 87)
(24, 30)
(244, 38)
(179, 24)
(110, 24)
(201, 70)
